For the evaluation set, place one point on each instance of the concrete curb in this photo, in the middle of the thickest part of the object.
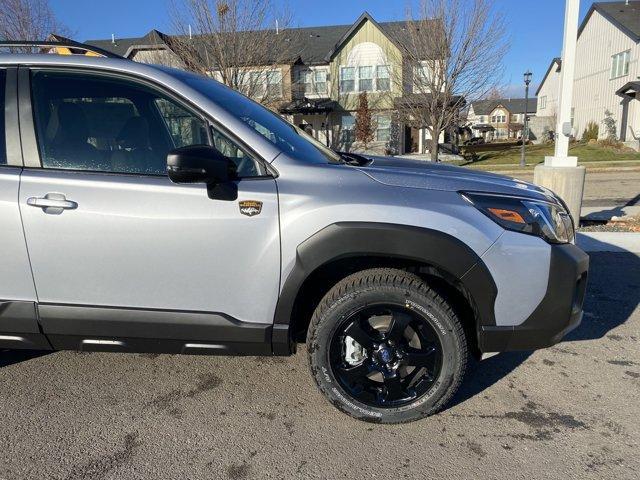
(614, 242)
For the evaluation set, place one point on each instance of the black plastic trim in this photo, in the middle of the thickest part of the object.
(354, 239)
(559, 312)
(19, 326)
(141, 330)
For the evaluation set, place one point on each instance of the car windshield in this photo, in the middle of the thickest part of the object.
(281, 133)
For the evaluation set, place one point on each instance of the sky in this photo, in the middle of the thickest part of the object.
(535, 26)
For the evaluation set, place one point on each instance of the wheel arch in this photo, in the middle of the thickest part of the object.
(343, 248)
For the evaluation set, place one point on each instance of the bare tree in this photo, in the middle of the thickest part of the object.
(242, 43)
(495, 93)
(28, 20)
(452, 53)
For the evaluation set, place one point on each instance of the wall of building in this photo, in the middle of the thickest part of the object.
(594, 90)
(157, 56)
(368, 46)
(550, 91)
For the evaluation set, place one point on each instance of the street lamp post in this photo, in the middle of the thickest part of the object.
(525, 128)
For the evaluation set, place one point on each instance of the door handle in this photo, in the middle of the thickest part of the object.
(53, 203)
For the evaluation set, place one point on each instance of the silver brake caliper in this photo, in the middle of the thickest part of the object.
(353, 352)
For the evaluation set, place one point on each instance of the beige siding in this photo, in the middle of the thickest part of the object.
(367, 33)
(157, 56)
(549, 90)
(594, 90)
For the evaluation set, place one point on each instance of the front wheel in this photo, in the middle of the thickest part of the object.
(383, 347)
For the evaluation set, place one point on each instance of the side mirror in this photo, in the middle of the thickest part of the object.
(199, 164)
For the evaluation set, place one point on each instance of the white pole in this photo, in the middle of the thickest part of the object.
(563, 127)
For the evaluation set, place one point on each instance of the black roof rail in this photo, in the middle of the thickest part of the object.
(70, 44)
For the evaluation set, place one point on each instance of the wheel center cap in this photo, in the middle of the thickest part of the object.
(385, 354)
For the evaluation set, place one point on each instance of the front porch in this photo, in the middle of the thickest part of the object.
(630, 119)
(326, 121)
(313, 116)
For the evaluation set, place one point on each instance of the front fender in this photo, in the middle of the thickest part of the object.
(442, 251)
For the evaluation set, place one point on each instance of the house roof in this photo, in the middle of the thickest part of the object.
(625, 16)
(311, 45)
(513, 105)
(393, 30)
(631, 90)
(557, 62)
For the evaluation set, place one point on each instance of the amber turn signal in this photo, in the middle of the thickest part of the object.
(508, 215)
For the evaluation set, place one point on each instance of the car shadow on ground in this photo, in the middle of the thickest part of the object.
(613, 294)
(485, 373)
(10, 357)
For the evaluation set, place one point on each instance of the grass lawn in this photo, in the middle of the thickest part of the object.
(587, 154)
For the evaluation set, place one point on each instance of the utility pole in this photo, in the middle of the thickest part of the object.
(525, 129)
(561, 172)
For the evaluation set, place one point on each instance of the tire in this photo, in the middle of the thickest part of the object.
(383, 391)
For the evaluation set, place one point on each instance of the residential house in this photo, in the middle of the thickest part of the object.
(607, 72)
(501, 118)
(549, 90)
(320, 84)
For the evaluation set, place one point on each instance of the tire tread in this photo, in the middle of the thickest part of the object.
(395, 278)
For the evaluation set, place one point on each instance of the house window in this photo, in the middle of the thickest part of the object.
(421, 77)
(383, 129)
(573, 115)
(620, 64)
(314, 81)
(320, 78)
(481, 119)
(542, 103)
(306, 79)
(347, 79)
(383, 83)
(347, 129)
(274, 84)
(365, 79)
(255, 85)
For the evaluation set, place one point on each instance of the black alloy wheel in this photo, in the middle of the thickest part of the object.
(402, 355)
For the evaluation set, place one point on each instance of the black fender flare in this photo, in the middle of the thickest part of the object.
(355, 239)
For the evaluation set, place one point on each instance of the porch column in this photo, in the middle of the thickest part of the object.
(625, 118)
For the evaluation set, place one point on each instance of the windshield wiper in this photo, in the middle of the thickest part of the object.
(354, 159)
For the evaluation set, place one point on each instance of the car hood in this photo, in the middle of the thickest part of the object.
(399, 172)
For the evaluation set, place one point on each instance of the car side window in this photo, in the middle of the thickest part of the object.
(3, 146)
(99, 123)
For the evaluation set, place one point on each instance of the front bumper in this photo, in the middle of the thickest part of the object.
(559, 312)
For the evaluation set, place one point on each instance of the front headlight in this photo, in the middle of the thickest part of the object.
(547, 220)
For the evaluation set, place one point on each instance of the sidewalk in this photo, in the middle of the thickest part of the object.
(615, 242)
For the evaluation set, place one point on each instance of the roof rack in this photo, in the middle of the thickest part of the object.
(68, 45)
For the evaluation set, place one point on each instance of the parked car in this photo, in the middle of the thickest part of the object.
(147, 209)
(475, 141)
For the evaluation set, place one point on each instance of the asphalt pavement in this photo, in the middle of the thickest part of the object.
(571, 411)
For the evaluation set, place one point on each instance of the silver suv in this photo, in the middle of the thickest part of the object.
(146, 209)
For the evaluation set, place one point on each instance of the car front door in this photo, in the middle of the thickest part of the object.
(119, 253)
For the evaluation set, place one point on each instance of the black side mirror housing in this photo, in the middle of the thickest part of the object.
(199, 164)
